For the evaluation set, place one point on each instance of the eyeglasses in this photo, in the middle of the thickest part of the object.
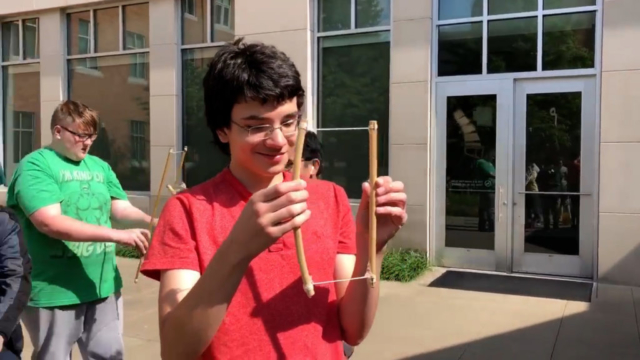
(288, 128)
(81, 137)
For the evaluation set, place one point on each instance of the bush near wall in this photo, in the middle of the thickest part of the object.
(402, 265)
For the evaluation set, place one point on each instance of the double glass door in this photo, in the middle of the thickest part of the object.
(514, 176)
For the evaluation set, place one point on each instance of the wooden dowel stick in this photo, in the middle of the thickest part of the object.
(373, 176)
(153, 212)
(307, 283)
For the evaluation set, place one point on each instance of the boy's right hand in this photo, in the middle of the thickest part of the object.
(269, 214)
(138, 238)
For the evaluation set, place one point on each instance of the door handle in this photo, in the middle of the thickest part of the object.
(500, 204)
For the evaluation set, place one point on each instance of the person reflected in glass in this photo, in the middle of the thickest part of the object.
(573, 180)
(532, 202)
(486, 176)
(547, 182)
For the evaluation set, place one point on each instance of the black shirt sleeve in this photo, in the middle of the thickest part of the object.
(15, 272)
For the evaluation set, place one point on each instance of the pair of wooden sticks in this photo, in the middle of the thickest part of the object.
(307, 282)
(174, 189)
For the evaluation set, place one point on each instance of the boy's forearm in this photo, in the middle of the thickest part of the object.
(127, 214)
(189, 328)
(69, 229)
(360, 302)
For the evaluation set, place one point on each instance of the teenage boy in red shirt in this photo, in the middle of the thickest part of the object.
(224, 252)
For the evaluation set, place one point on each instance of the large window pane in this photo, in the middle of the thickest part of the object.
(460, 49)
(568, 41)
(471, 170)
(194, 22)
(499, 7)
(354, 89)
(553, 146)
(30, 39)
(11, 41)
(346, 158)
(107, 28)
(459, 9)
(21, 113)
(560, 4)
(334, 15)
(79, 33)
(512, 45)
(203, 160)
(370, 13)
(120, 101)
(136, 26)
(223, 20)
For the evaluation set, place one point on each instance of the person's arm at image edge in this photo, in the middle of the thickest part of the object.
(15, 272)
(191, 306)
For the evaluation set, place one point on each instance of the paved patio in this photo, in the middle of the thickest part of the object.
(420, 322)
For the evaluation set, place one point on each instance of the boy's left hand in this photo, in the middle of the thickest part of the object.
(391, 204)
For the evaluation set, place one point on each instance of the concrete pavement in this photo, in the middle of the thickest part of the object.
(415, 321)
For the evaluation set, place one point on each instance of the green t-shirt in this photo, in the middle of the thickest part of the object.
(65, 272)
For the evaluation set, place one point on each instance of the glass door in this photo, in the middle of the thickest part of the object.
(554, 172)
(471, 174)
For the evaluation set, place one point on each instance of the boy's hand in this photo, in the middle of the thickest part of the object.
(268, 215)
(391, 213)
(138, 238)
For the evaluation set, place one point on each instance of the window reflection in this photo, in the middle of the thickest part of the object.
(460, 49)
(203, 160)
(471, 172)
(194, 21)
(354, 89)
(107, 29)
(21, 113)
(553, 143)
(122, 101)
(459, 9)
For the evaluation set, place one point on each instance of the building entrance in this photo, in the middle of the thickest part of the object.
(514, 176)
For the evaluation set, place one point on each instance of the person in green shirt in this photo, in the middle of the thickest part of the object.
(65, 200)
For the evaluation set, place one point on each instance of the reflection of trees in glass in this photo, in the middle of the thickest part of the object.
(369, 13)
(354, 88)
(203, 159)
(547, 142)
(568, 43)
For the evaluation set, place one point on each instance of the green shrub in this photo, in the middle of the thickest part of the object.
(404, 265)
(127, 252)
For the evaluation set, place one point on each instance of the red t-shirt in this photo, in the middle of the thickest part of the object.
(270, 315)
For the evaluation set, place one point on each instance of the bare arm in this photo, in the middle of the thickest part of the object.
(191, 308)
(358, 302)
(124, 212)
(49, 220)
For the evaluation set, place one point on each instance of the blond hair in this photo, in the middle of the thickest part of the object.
(75, 112)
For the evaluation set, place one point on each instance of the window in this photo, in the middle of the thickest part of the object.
(23, 134)
(222, 13)
(218, 13)
(138, 61)
(199, 45)
(189, 7)
(116, 85)
(20, 92)
(353, 88)
(139, 141)
(495, 36)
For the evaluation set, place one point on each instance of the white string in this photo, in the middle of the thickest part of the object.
(335, 281)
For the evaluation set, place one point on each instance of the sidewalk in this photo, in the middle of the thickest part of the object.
(415, 321)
